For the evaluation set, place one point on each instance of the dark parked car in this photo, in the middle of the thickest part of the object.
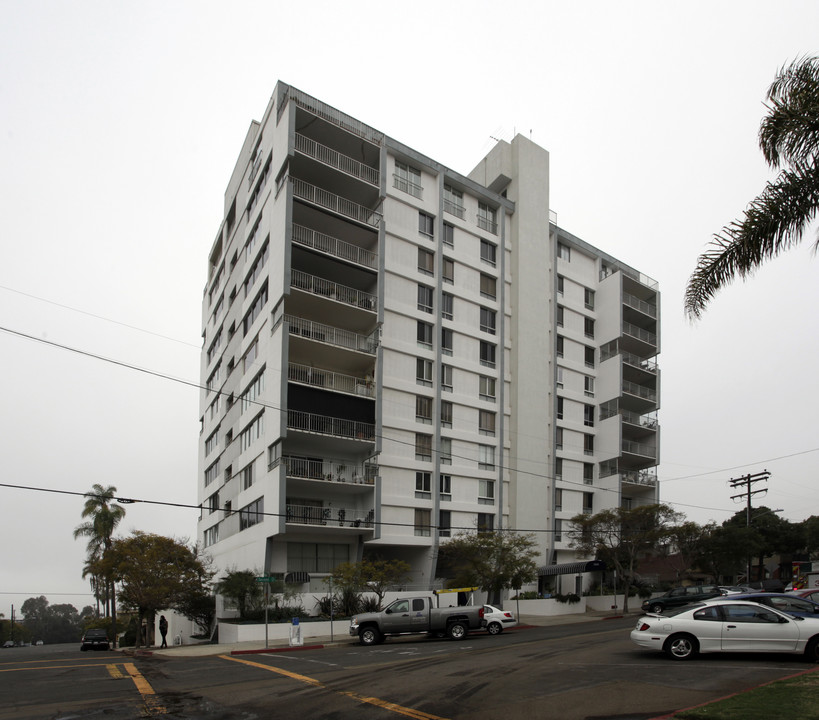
(679, 596)
(791, 604)
(95, 639)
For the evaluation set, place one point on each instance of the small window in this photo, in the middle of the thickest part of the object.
(559, 408)
(422, 522)
(589, 298)
(588, 503)
(487, 218)
(446, 341)
(446, 413)
(486, 388)
(559, 438)
(588, 385)
(559, 316)
(560, 282)
(448, 271)
(588, 473)
(424, 334)
(445, 487)
(589, 356)
(426, 224)
(558, 468)
(453, 201)
(588, 444)
(423, 446)
(559, 376)
(407, 179)
(444, 523)
(426, 262)
(486, 457)
(588, 415)
(558, 530)
(488, 286)
(487, 354)
(488, 320)
(425, 295)
(445, 449)
(446, 378)
(423, 482)
(489, 252)
(558, 499)
(559, 346)
(564, 252)
(423, 409)
(486, 522)
(486, 422)
(449, 235)
(486, 491)
(588, 327)
(447, 305)
(423, 372)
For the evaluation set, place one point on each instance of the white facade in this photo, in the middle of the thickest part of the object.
(381, 354)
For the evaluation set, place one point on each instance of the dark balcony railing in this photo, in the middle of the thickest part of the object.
(327, 425)
(329, 516)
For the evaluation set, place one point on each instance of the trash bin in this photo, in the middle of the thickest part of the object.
(295, 633)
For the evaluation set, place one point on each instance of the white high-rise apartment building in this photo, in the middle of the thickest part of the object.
(394, 352)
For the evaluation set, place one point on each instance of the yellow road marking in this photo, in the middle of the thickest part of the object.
(148, 695)
(114, 672)
(409, 712)
(50, 667)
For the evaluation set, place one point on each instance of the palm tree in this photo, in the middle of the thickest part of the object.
(776, 219)
(100, 530)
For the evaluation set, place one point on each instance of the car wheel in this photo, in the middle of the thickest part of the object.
(494, 628)
(812, 650)
(655, 608)
(457, 630)
(83, 649)
(681, 647)
(369, 636)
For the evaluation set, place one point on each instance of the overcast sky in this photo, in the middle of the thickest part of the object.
(120, 124)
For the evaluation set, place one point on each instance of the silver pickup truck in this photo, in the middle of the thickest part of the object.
(416, 615)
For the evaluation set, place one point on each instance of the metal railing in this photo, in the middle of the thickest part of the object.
(335, 247)
(638, 362)
(329, 380)
(327, 425)
(640, 333)
(636, 448)
(326, 288)
(454, 208)
(641, 305)
(335, 159)
(639, 478)
(628, 272)
(646, 421)
(330, 114)
(335, 203)
(639, 390)
(332, 336)
(487, 224)
(405, 185)
(330, 470)
(330, 516)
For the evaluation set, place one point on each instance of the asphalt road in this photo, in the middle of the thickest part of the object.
(567, 672)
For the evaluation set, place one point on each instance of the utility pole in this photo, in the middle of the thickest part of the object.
(748, 481)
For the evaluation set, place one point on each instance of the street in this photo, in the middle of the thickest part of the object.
(570, 671)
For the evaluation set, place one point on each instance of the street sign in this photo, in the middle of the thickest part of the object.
(266, 579)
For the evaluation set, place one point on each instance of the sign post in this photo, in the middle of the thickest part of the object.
(266, 579)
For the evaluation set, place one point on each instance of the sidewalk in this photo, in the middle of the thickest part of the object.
(341, 637)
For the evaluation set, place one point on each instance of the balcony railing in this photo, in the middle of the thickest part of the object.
(638, 362)
(453, 208)
(335, 203)
(641, 305)
(635, 448)
(327, 425)
(406, 185)
(330, 516)
(628, 272)
(335, 247)
(332, 336)
(333, 158)
(330, 470)
(640, 333)
(640, 477)
(326, 288)
(487, 224)
(329, 380)
(639, 390)
(646, 421)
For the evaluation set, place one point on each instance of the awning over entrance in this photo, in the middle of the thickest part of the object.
(572, 568)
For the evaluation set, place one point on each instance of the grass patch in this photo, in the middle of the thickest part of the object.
(791, 698)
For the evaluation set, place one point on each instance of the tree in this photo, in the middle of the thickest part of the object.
(619, 536)
(155, 573)
(777, 218)
(241, 587)
(376, 575)
(494, 561)
(51, 623)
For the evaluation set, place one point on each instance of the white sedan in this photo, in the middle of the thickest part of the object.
(727, 626)
(495, 619)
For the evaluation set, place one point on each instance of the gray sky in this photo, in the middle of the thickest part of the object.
(120, 124)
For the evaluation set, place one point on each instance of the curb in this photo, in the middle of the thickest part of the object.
(294, 648)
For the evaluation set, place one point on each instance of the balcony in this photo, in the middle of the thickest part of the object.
(639, 477)
(405, 185)
(641, 449)
(642, 306)
(649, 366)
(488, 224)
(332, 426)
(326, 288)
(640, 391)
(454, 208)
(325, 470)
(648, 422)
(329, 380)
(332, 336)
(334, 159)
(334, 203)
(641, 334)
(330, 516)
(333, 246)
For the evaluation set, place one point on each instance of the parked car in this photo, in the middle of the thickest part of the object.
(495, 619)
(796, 606)
(809, 593)
(727, 625)
(735, 589)
(95, 639)
(681, 596)
(8, 644)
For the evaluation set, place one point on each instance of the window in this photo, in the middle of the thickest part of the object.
(255, 309)
(316, 557)
(423, 372)
(426, 224)
(588, 473)
(588, 385)
(558, 468)
(559, 316)
(448, 271)
(486, 422)
(250, 355)
(588, 444)
(486, 218)
(247, 477)
(422, 522)
(423, 482)
(425, 295)
(486, 457)
(213, 380)
(559, 408)
(588, 296)
(444, 523)
(253, 392)
(257, 268)
(446, 341)
(251, 432)
(486, 522)
(487, 354)
(488, 320)
(426, 261)
(446, 413)
(212, 473)
(447, 304)
(423, 409)
(588, 415)
(449, 234)
(486, 491)
(486, 388)
(559, 346)
(212, 442)
(212, 503)
(588, 503)
(424, 334)
(589, 355)
(488, 286)
(559, 376)
(453, 201)
(446, 378)
(251, 514)
(407, 179)
(423, 446)
(564, 252)
(214, 406)
(446, 451)
(588, 327)
(558, 530)
(559, 438)
(558, 499)
(214, 347)
(445, 487)
(489, 252)
(211, 536)
(560, 284)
